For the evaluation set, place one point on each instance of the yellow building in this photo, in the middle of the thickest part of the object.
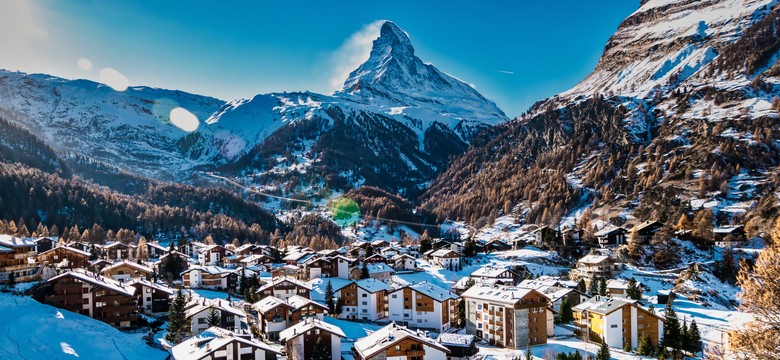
(617, 321)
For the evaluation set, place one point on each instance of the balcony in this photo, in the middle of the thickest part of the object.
(411, 353)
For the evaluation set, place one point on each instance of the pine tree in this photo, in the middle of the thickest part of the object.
(320, 351)
(594, 286)
(329, 298)
(339, 306)
(633, 290)
(645, 346)
(581, 286)
(671, 326)
(684, 336)
(603, 353)
(566, 315)
(213, 318)
(602, 286)
(461, 313)
(178, 324)
(528, 355)
(364, 271)
(694, 338)
(11, 279)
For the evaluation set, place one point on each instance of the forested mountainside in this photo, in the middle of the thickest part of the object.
(679, 115)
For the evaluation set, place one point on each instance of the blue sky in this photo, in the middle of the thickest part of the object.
(514, 52)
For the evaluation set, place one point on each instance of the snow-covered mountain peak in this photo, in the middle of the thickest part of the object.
(393, 76)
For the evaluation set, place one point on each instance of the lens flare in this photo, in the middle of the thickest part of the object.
(114, 79)
(183, 119)
(85, 64)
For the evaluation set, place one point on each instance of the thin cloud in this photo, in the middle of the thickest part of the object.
(505, 72)
(352, 53)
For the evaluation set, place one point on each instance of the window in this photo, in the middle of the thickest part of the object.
(85, 301)
(202, 321)
(479, 307)
(365, 303)
(398, 348)
(614, 326)
(364, 295)
(395, 296)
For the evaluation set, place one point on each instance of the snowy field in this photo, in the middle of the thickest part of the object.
(31, 330)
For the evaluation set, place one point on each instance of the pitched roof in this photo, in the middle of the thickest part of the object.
(201, 304)
(379, 268)
(593, 259)
(130, 264)
(434, 292)
(156, 286)
(11, 241)
(66, 248)
(451, 339)
(269, 303)
(308, 324)
(211, 340)
(489, 271)
(297, 302)
(279, 280)
(445, 252)
(211, 270)
(97, 280)
(608, 230)
(607, 305)
(390, 335)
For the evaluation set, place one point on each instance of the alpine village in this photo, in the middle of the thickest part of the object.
(405, 216)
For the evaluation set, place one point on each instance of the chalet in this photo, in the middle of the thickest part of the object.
(98, 265)
(116, 251)
(617, 322)
(17, 259)
(180, 257)
(441, 243)
(83, 246)
(153, 298)
(571, 235)
(389, 251)
(376, 259)
(210, 277)
(399, 343)
(300, 339)
(502, 275)
(645, 231)
(424, 306)
(341, 266)
(497, 245)
(192, 249)
(317, 267)
(611, 236)
(155, 250)
(461, 346)
(275, 315)
(619, 287)
(404, 262)
(244, 250)
(729, 236)
(556, 291)
(446, 258)
(596, 266)
(98, 297)
(377, 244)
(254, 259)
(64, 257)
(198, 312)
(284, 288)
(506, 316)
(212, 255)
(287, 270)
(126, 270)
(546, 236)
(296, 258)
(382, 272)
(45, 243)
(216, 343)
(364, 300)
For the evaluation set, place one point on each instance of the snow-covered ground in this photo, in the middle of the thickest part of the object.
(32, 330)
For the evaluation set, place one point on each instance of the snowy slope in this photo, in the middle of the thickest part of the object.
(35, 331)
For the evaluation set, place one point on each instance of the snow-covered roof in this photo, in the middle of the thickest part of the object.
(501, 294)
(727, 229)
(268, 303)
(66, 248)
(434, 292)
(11, 241)
(297, 302)
(308, 324)
(445, 253)
(621, 284)
(294, 256)
(202, 304)
(489, 271)
(211, 340)
(390, 335)
(279, 280)
(156, 286)
(379, 268)
(451, 339)
(97, 280)
(372, 285)
(593, 259)
(130, 264)
(608, 230)
(211, 270)
(112, 244)
(607, 305)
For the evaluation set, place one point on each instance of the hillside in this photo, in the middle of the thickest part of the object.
(36, 331)
(678, 116)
